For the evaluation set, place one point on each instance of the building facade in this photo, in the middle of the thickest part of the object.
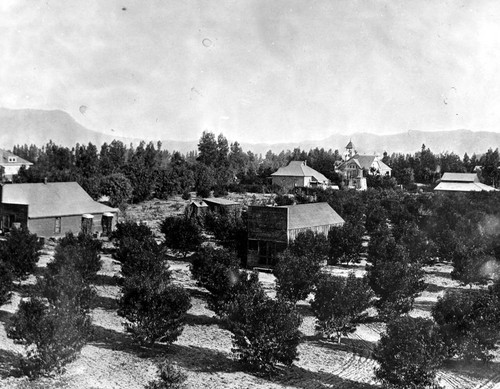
(10, 164)
(271, 229)
(53, 209)
(298, 175)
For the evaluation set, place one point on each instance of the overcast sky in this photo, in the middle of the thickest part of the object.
(263, 70)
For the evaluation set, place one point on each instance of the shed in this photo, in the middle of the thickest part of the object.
(52, 209)
(220, 205)
(462, 182)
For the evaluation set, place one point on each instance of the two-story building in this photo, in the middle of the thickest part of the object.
(10, 164)
(298, 175)
(271, 229)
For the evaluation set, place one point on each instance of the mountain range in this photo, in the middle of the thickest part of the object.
(29, 126)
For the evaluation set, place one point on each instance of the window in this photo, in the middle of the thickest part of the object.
(12, 159)
(57, 227)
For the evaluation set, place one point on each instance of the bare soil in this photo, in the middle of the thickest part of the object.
(112, 360)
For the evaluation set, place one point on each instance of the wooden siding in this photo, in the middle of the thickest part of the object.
(268, 223)
(46, 226)
(292, 234)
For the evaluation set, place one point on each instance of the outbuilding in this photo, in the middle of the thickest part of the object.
(53, 209)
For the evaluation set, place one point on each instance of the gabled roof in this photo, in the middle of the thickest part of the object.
(311, 215)
(220, 201)
(459, 177)
(365, 162)
(299, 169)
(199, 204)
(4, 159)
(52, 199)
(445, 186)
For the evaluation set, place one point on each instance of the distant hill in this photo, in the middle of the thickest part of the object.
(457, 141)
(39, 126)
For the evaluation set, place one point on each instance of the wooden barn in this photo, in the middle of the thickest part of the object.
(271, 229)
(52, 209)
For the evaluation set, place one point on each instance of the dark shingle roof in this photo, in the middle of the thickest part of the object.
(52, 199)
(299, 169)
(312, 215)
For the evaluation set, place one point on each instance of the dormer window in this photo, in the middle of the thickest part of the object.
(12, 159)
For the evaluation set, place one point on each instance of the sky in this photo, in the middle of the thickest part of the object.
(255, 70)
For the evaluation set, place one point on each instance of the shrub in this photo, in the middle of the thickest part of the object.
(143, 258)
(82, 251)
(217, 270)
(469, 322)
(5, 283)
(21, 251)
(186, 195)
(310, 244)
(265, 331)
(54, 322)
(409, 353)
(296, 275)
(396, 281)
(346, 243)
(340, 303)
(169, 377)
(155, 308)
(129, 229)
(182, 234)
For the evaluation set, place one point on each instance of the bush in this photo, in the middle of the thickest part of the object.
(265, 331)
(54, 322)
(397, 281)
(129, 229)
(182, 234)
(144, 258)
(186, 195)
(296, 275)
(340, 304)
(82, 251)
(21, 251)
(155, 308)
(310, 244)
(346, 243)
(469, 322)
(217, 270)
(409, 353)
(5, 283)
(169, 377)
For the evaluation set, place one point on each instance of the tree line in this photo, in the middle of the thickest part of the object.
(134, 174)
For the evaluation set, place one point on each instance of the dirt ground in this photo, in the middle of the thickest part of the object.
(203, 351)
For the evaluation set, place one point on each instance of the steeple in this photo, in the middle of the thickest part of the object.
(349, 150)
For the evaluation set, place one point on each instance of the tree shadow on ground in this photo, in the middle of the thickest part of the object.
(108, 303)
(475, 369)
(106, 280)
(9, 362)
(5, 316)
(360, 347)
(299, 377)
(203, 320)
(424, 305)
(205, 360)
(202, 294)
